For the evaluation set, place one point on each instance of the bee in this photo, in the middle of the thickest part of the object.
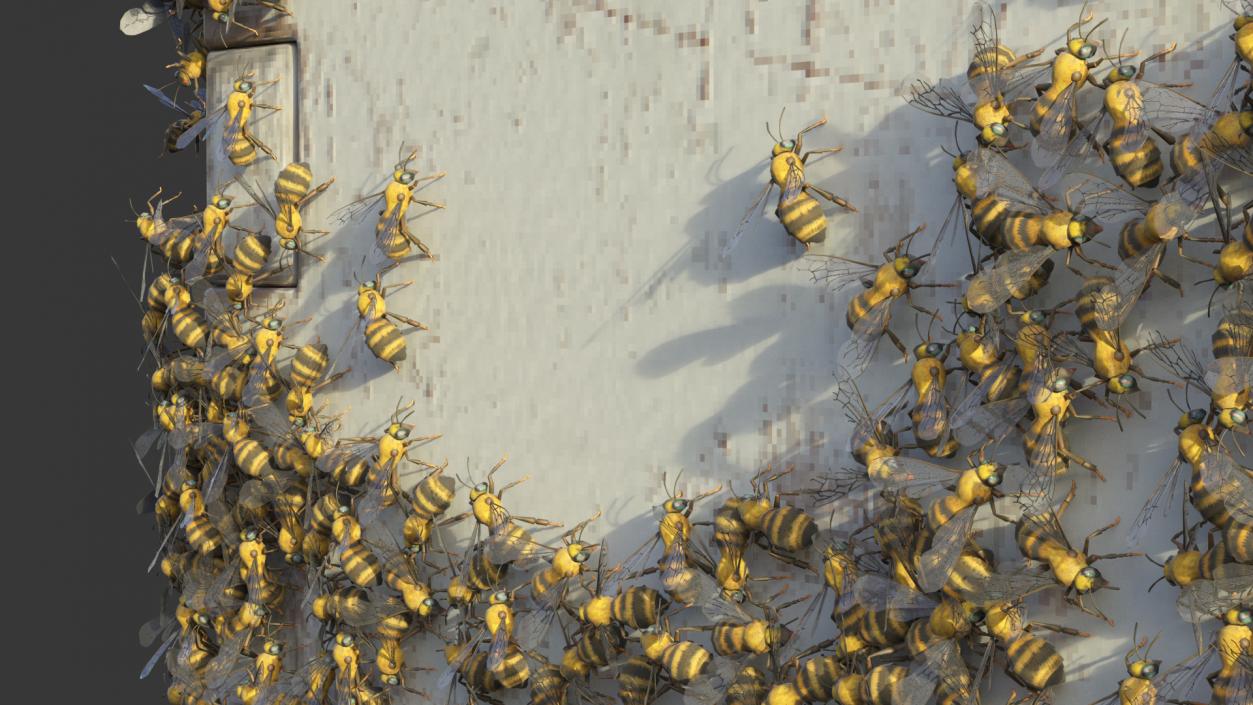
(638, 682)
(499, 622)
(635, 607)
(870, 312)
(548, 586)
(1055, 111)
(872, 440)
(685, 662)
(993, 80)
(956, 497)
(930, 413)
(1040, 537)
(248, 259)
(885, 684)
(306, 372)
(1229, 396)
(737, 635)
(798, 211)
(190, 67)
(382, 337)
(784, 527)
(1111, 358)
(507, 541)
(1031, 661)
(1231, 683)
(238, 145)
(1143, 676)
(1043, 440)
(292, 193)
(504, 661)
(683, 566)
(192, 114)
(358, 562)
(994, 375)
(393, 239)
(429, 499)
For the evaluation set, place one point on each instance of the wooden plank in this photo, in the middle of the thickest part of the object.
(272, 27)
(276, 129)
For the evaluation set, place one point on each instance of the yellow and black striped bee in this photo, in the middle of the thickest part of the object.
(293, 190)
(192, 114)
(507, 541)
(929, 415)
(238, 143)
(686, 662)
(870, 312)
(1055, 111)
(994, 79)
(1040, 537)
(785, 528)
(549, 585)
(798, 211)
(1226, 380)
(393, 239)
(382, 337)
(639, 682)
(358, 562)
(1144, 675)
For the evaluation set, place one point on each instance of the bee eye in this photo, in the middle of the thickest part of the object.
(428, 602)
(978, 616)
(272, 324)
(1089, 572)
(680, 504)
(581, 557)
(289, 244)
(1060, 384)
(1149, 670)
(1199, 414)
(997, 129)
(1239, 417)
(737, 596)
(972, 329)
(1244, 617)
(909, 272)
(481, 487)
(1127, 71)
(993, 480)
(933, 349)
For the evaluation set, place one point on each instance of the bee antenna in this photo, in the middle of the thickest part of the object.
(784, 109)
(768, 132)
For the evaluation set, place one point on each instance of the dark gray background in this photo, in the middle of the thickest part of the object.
(82, 137)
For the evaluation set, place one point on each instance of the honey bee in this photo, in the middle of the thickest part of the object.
(393, 239)
(239, 145)
(382, 337)
(870, 312)
(292, 192)
(1055, 111)
(798, 211)
(192, 114)
(1223, 381)
(507, 542)
(548, 586)
(1040, 537)
(928, 377)
(994, 79)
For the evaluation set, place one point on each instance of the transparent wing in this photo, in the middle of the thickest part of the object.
(1009, 587)
(1232, 587)
(968, 407)
(498, 649)
(164, 99)
(1114, 302)
(1056, 129)
(834, 272)
(855, 355)
(1107, 202)
(990, 422)
(932, 411)
(1232, 483)
(904, 474)
(1162, 497)
(1230, 375)
(232, 132)
(138, 20)
(940, 664)
(198, 128)
(994, 173)
(941, 99)
(878, 594)
(1167, 109)
(1081, 146)
(937, 563)
(992, 287)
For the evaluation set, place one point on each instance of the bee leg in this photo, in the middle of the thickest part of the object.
(830, 197)
(1087, 540)
(535, 521)
(274, 6)
(417, 243)
(428, 204)
(406, 320)
(1080, 461)
(897, 342)
(1056, 628)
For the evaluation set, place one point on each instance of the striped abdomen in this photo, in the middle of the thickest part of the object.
(1022, 230)
(1135, 239)
(802, 217)
(242, 151)
(788, 528)
(482, 574)
(883, 685)
(250, 456)
(1140, 166)
(228, 383)
(637, 681)
(1238, 538)
(748, 688)
(638, 607)
(685, 660)
(1034, 663)
(293, 184)
(599, 645)
(203, 535)
(252, 252)
(815, 679)
(190, 327)
(385, 341)
(308, 364)
(352, 472)
(988, 214)
(433, 495)
(882, 628)
(361, 566)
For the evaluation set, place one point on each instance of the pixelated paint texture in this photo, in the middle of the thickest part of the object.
(599, 156)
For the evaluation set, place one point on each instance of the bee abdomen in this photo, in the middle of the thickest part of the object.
(803, 218)
(789, 528)
(1034, 663)
(385, 341)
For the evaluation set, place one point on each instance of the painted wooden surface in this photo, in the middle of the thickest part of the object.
(599, 154)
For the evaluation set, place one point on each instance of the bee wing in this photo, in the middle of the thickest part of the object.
(1167, 109)
(878, 593)
(227, 667)
(530, 628)
(1009, 587)
(1073, 153)
(1234, 484)
(985, 38)
(968, 407)
(198, 128)
(993, 286)
(498, 649)
(991, 421)
(1180, 680)
(1114, 301)
(940, 663)
(138, 20)
(833, 272)
(1136, 130)
(232, 132)
(156, 656)
(905, 474)
(932, 412)
(1056, 128)
(994, 173)
(854, 356)
(164, 99)
(793, 185)
(1106, 202)
(1165, 489)
(1204, 599)
(937, 563)
(1230, 375)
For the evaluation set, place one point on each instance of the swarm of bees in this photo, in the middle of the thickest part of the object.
(306, 562)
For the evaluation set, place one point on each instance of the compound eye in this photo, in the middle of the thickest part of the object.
(1239, 416)
(972, 329)
(1149, 670)
(993, 480)
(481, 487)
(997, 129)
(1127, 71)
(934, 349)
(289, 244)
(1036, 317)
(789, 145)
(978, 616)
(1089, 572)
(245, 86)
(1128, 381)
(737, 596)
(402, 434)
(680, 505)
(428, 602)
(1198, 415)
(909, 272)
(406, 177)
(1244, 617)
(1060, 384)
(1086, 51)
(581, 557)
(272, 324)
